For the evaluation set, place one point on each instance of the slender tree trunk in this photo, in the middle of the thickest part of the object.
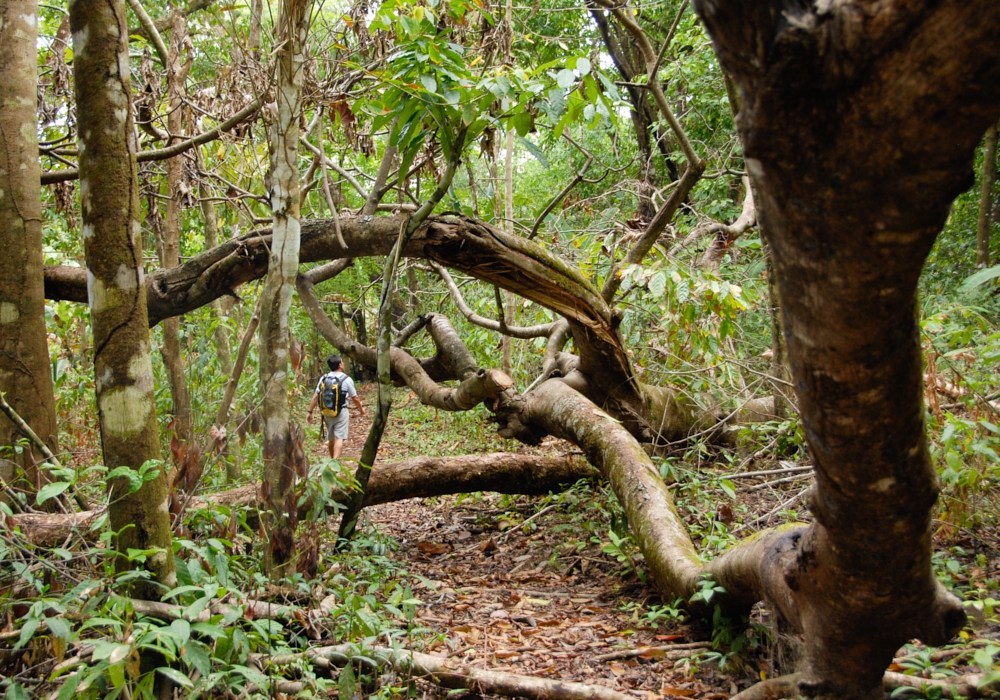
(508, 201)
(171, 349)
(109, 196)
(779, 351)
(279, 472)
(986, 198)
(221, 335)
(25, 371)
(253, 40)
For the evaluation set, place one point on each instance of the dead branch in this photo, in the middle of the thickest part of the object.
(460, 676)
(23, 426)
(251, 109)
(668, 651)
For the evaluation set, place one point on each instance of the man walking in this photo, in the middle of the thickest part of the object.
(336, 388)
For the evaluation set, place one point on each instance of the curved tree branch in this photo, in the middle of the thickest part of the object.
(538, 331)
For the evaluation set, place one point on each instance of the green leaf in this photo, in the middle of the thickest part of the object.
(429, 83)
(348, 685)
(557, 104)
(657, 284)
(182, 628)
(180, 679)
(68, 689)
(16, 691)
(565, 78)
(59, 627)
(27, 632)
(51, 491)
(521, 122)
(197, 654)
(583, 66)
(729, 487)
(534, 150)
(979, 278)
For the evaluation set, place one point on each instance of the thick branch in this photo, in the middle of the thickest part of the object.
(478, 385)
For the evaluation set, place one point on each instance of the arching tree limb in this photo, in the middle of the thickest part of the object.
(515, 331)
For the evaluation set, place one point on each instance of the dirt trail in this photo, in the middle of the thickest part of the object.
(505, 597)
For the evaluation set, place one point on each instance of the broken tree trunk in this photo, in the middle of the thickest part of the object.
(859, 123)
(420, 477)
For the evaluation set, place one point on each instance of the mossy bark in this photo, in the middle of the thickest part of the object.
(25, 370)
(109, 196)
(279, 474)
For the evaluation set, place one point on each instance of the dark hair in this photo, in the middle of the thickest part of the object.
(334, 362)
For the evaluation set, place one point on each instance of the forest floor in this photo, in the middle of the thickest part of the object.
(538, 586)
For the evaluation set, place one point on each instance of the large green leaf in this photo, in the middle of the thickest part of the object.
(981, 277)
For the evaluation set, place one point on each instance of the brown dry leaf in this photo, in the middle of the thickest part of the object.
(489, 545)
(616, 668)
(505, 654)
(652, 653)
(677, 692)
(433, 548)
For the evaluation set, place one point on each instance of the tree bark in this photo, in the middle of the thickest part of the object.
(985, 223)
(221, 335)
(855, 170)
(171, 349)
(25, 370)
(109, 196)
(420, 477)
(279, 472)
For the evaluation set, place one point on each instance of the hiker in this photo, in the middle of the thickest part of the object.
(332, 392)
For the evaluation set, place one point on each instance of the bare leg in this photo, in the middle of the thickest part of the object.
(332, 447)
(336, 447)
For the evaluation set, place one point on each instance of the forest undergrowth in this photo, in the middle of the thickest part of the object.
(549, 587)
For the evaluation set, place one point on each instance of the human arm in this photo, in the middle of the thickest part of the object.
(357, 403)
(312, 406)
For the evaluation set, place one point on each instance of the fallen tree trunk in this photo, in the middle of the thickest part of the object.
(422, 477)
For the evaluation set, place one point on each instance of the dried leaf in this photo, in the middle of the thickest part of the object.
(433, 548)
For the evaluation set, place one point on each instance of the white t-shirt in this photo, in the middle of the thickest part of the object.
(346, 383)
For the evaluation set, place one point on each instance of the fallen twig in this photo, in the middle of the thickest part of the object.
(670, 651)
(960, 686)
(439, 670)
(769, 472)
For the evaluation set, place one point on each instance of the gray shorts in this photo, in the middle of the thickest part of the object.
(336, 426)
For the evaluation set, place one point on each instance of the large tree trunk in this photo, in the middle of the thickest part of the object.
(109, 196)
(25, 371)
(859, 123)
(171, 349)
(279, 471)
